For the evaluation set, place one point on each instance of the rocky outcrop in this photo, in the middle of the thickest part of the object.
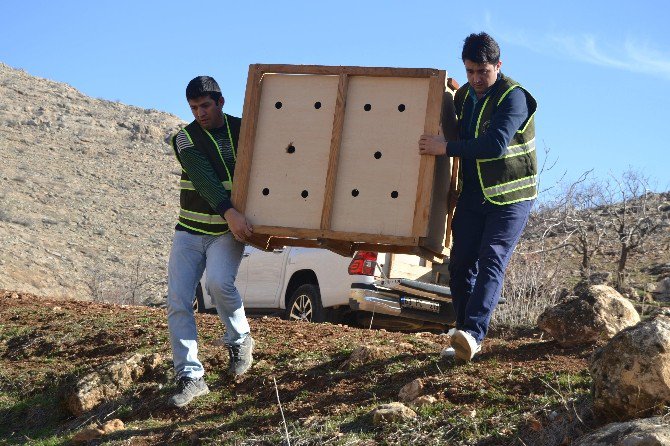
(109, 382)
(644, 432)
(599, 312)
(631, 374)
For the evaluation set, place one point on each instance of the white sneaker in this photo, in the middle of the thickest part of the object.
(448, 353)
(464, 345)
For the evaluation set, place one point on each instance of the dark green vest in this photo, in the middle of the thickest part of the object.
(512, 177)
(195, 212)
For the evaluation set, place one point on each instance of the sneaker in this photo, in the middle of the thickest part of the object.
(448, 353)
(464, 345)
(187, 389)
(241, 356)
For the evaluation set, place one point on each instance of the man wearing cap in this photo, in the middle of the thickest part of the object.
(209, 234)
(496, 145)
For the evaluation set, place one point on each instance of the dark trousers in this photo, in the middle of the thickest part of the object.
(484, 236)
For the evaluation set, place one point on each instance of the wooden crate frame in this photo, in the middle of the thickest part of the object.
(344, 243)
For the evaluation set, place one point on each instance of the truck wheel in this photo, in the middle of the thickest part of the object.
(199, 301)
(305, 304)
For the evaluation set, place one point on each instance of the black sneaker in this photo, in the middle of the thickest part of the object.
(241, 356)
(187, 389)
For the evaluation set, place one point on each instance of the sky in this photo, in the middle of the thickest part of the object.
(600, 70)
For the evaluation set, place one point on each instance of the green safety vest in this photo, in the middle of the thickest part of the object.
(513, 176)
(195, 213)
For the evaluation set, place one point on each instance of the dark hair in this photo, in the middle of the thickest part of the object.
(202, 86)
(481, 48)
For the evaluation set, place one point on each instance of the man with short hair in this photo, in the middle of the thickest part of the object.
(208, 234)
(496, 145)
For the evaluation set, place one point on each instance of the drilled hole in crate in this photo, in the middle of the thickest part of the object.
(401, 108)
(278, 105)
(290, 148)
(304, 194)
(367, 107)
(354, 193)
(378, 154)
(394, 194)
(317, 105)
(266, 191)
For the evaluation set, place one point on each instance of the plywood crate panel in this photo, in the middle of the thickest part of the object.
(328, 156)
(291, 150)
(378, 168)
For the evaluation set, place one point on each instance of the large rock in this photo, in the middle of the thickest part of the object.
(631, 374)
(645, 432)
(109, 382)
(599, 312)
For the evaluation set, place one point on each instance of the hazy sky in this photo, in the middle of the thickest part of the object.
(599, 70)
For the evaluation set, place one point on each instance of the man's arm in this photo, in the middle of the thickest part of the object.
(511, 113)
(507, 119)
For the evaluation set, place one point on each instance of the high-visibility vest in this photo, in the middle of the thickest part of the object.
(195, 213)
(513, 176)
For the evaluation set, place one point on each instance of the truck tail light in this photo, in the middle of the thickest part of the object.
(364, 263)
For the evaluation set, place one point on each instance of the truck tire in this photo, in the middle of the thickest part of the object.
(305, 305)
(199, 301)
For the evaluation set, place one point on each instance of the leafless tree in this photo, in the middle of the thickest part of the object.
(137, 281)
(96, 286)
(629, 209)
(566, 222)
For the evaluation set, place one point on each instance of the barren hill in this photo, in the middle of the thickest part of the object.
(89, 192)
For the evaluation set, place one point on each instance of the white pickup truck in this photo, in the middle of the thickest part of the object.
(308, 284)
(317, 285)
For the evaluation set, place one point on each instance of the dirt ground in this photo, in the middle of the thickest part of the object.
(520, 381)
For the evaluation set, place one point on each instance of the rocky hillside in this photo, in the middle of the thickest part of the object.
(89, 192)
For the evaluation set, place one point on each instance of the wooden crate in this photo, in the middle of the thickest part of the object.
(328, 157)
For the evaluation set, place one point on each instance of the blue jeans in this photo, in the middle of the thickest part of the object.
(485, 235)
(189, 256)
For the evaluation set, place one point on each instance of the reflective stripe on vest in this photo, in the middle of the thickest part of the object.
(515, 150)
(202, 218)
(511, 186)
(188, 185)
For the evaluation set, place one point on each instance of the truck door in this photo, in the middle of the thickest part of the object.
(265, 274)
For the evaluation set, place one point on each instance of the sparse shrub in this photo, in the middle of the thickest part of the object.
(531, 285)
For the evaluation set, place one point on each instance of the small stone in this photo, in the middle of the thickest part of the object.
(392, 412)
(112, 426)
(88, 434)
(469, 413)
(425, 400)
(411, 391)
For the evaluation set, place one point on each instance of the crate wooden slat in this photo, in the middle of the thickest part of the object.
(328, 156)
